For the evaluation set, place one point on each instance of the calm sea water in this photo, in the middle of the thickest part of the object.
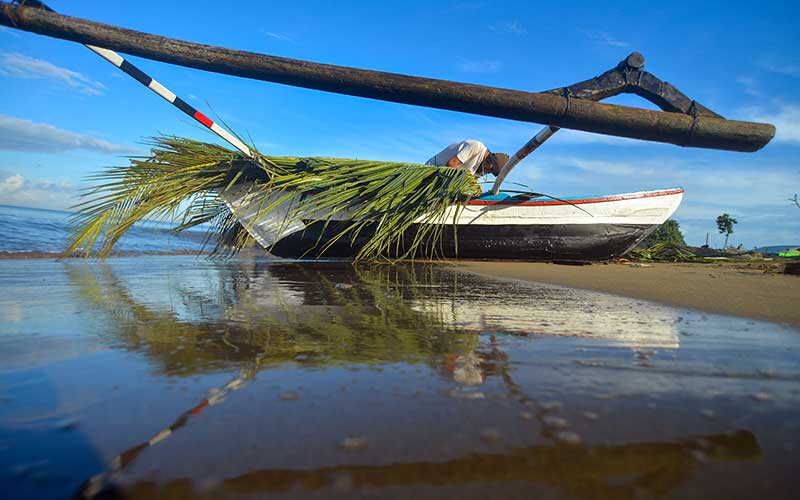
(179, 377)
(26, 230)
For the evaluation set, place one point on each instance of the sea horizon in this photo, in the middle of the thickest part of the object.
(44, 232)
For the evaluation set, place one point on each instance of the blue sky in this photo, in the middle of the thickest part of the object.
(65, 113)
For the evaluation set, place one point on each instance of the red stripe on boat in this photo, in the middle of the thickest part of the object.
(577, 202)
(203, 119)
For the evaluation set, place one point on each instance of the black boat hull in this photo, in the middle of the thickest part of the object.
(535, 242)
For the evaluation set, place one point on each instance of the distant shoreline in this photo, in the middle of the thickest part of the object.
(739, 289)
(4, 255)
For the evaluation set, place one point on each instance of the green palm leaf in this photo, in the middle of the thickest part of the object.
(181, 181)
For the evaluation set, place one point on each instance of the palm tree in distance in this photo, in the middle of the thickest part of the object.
(725, 226)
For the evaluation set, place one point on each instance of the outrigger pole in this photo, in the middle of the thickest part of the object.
(152, 84)
(673, 127)
(95, 486)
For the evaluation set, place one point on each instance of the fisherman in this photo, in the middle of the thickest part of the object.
(471, 155)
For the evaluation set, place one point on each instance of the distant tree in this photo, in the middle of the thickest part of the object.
(668, 232)
(725, 226)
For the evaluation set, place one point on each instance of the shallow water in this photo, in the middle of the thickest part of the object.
(178, 377)
(46, 232)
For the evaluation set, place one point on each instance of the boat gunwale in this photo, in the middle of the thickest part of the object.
(578, 201)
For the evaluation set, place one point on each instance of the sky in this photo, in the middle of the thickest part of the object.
(65, 113)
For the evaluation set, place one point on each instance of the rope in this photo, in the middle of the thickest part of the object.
(567, 94)
(695, 117)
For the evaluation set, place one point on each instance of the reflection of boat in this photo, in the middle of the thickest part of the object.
(472, 304)
(504, 226)
(555, 311)
(327, 311)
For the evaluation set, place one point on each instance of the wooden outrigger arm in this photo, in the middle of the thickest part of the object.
(674, 127)
(627, 77)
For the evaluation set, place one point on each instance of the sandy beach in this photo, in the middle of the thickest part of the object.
(745, 290)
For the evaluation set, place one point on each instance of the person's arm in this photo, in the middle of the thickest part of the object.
(454, 162)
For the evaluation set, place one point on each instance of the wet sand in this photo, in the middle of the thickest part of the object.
(178, 377)
(739, 289)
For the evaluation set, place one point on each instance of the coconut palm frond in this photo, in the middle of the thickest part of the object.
(176, 183)
(181, 181)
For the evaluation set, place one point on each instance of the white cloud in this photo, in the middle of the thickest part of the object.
(785, 117)
(760, 225)
(11, 184)
(265, 147)
(755, 193)
(741, 187)
(55, 186)
(279, 36)
(44, 193)
(512, 27)
(16, 65)
(604, 38)
(612, 168)
(782, 68)
(750, 85)
(483, 66)
(17, 134)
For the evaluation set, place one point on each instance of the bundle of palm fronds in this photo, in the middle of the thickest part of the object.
(665, 252)
(182, 181)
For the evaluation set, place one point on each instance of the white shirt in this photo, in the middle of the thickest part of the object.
(470, 153)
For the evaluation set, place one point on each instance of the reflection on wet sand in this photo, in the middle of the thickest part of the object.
(340, 313)
(511, 307)
(197, 379)
(601, 472)
(333, 315)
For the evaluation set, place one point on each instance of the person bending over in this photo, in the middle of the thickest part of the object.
(471, 155)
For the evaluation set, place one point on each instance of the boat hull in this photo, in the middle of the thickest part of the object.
(512, 227)
(544, 242)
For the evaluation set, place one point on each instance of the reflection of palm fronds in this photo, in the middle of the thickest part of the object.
(181, 180)
(370, 321)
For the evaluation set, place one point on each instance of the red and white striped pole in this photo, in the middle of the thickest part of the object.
(95, 485)
(149, 82)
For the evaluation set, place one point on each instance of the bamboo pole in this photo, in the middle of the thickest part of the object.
(529, 147)
(560, 111)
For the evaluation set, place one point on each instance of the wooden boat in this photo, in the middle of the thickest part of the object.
(515, 226)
